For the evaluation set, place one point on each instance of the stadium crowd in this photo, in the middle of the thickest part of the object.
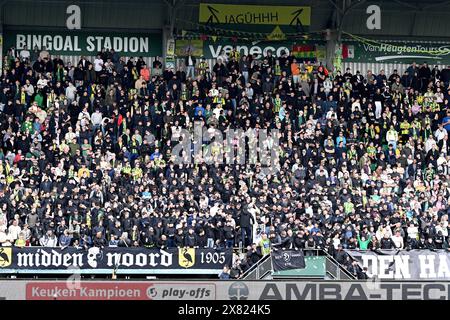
(86, 156)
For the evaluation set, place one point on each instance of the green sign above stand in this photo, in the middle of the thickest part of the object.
(86, 43)
(397, 52)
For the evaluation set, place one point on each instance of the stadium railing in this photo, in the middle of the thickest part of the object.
(263, 269)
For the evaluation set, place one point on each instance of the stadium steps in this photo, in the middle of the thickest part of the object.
(321, 266)
(260, 270)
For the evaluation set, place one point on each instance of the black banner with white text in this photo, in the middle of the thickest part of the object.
(287, 260)
(404, 265)
(123, 260)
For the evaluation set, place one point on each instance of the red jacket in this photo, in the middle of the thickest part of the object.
(146, 74)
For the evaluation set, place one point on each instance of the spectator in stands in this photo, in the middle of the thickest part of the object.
(225, 275)
(49, 239)
(84, 153)
(253, 254)
(25, 54)
(65, 239)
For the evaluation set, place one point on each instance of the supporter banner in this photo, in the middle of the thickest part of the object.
(288, 260)
(170, 51)
(85, 43)
(276, 35)
(253, 14)
(405, 265)
(396, 52)
(184, 47)
(304, 51)
(123, 260)
(222, 290)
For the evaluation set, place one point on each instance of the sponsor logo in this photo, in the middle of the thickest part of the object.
(238, 291)
(401, 49)
(87, 291)
(259, 290)
(181, 291)
(355, 291)
(286, 257)
(210, 13)
(121, 291)
(258, 50)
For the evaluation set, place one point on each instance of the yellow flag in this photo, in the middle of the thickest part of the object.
(276, 34)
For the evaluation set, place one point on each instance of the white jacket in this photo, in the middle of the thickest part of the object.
(46, 241)
(398, 241)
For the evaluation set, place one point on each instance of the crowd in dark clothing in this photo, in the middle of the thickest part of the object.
(87, 155)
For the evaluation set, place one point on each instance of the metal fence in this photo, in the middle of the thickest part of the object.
(363, 67)
(263, 268)
(73, 60)
(259, 270)
(389, 68)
